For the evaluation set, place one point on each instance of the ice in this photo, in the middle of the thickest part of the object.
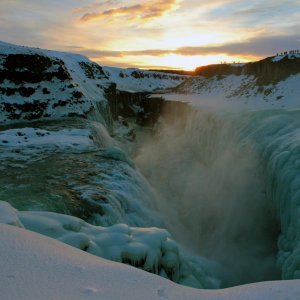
(278, 139)
(214, 157)
(117, 154)
(150, 249)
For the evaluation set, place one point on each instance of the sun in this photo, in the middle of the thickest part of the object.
(171, 61)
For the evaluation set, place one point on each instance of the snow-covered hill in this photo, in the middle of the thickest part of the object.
(270, 83)
(135, 80)
(43, 84)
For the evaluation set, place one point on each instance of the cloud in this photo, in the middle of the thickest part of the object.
(255, 13)
(93, 6)
(256, 47)
(146, 11)
(99, 53)
(260, 46)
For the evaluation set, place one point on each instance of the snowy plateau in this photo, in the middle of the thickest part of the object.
(133, 184)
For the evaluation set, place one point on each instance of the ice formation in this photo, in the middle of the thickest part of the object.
(150, 249)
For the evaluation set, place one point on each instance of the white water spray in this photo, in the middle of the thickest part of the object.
(212, 194)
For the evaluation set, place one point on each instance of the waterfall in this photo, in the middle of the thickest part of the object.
(212, 192)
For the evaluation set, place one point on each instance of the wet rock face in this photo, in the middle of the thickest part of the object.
(144, 110)
(137, 106)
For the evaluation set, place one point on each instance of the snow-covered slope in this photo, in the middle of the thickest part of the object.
(37, 267)
(150, 249)
(135, 80)
(267, 84)
(38, 84)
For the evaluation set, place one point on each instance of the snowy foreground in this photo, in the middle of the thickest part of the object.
(37, 267)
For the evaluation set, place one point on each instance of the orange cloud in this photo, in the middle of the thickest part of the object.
(259, 46)
(93, 6)
(146, 11)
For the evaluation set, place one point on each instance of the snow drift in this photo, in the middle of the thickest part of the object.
(37, 267)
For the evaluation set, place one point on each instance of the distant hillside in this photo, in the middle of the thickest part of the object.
(273, 82)
(266, 71)
(178, 72)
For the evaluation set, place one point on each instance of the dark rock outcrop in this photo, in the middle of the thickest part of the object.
(26, 68)
(267, 71)
(218, 70)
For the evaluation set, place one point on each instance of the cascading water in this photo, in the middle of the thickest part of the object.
(225, 185)
(212, 190)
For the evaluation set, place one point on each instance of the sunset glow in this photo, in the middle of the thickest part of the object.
(180, 34)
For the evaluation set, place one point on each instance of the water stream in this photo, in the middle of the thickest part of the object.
(225, 185)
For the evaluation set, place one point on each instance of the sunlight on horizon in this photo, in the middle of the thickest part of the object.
(172, 61)
(180, 34)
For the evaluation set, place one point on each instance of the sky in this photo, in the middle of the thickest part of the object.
(175, 34)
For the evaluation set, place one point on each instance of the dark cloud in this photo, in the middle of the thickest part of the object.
(256, 14)
(99, 53)
(260, 46)
(145, 11)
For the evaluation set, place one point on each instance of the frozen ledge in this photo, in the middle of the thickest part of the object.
(36, 267)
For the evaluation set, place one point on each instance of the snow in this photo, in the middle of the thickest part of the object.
(107, 178)
(87, 79)
(23, 144)
(147, 82)
(53, 99)
(289, 56)
(150, 249)
(237, 93)
(37, 267)
(75, 139)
